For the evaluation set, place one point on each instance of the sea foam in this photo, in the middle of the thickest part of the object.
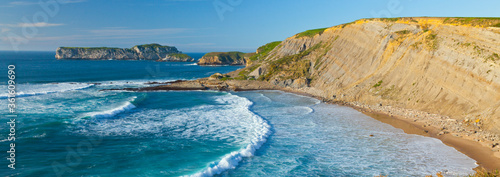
(26, 90)
(261, 130)
(112, 112)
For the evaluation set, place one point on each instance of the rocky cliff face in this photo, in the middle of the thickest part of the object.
(224, 58)
(139, 52)
(448, 66)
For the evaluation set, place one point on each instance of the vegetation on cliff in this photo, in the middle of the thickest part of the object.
(291, 67)
(458, 21)
(264, 50)
(311, 33)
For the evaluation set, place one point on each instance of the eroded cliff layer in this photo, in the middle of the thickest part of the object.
(448, 66)
(139, 52)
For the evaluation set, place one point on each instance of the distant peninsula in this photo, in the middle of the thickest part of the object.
(155, 52)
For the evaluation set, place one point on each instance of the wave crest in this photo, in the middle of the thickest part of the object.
(262, 131)
(112, 112)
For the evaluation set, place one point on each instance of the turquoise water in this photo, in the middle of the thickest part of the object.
(67, 126)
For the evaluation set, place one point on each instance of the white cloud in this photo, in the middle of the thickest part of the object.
(41, 24)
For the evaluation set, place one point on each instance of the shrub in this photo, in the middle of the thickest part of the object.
(378, 84)
(403, 32)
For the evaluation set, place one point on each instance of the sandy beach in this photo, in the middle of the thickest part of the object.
(465, 137)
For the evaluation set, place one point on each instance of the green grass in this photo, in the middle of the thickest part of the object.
(389, 19)
(484, 21)
(346, 24)
(318, 61)
(378, 84)
(226, 78)
(311, 33)
(264, 50)
(432, 41)
(493, 57)
(248, 70)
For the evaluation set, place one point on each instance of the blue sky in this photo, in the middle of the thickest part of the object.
(198, 25)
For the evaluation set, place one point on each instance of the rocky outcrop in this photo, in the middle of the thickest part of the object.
(224, 58)
(446, 66)
(139, 52)
(177, 57)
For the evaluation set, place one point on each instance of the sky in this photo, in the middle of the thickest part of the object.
(199, 25)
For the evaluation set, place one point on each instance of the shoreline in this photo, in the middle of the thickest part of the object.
(484, 156)
(460, 135)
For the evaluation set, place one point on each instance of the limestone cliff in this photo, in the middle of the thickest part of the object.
(448, 66)
(139, 52)
(224, 58)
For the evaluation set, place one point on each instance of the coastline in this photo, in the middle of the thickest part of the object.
(485, 157)
(459, 135)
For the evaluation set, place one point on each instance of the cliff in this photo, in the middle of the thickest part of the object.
(445, 66)
(139, 52)
(225, 58)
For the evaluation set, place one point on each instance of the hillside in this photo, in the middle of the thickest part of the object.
(138, 52)
(445, 66)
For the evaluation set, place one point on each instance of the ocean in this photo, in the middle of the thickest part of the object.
(69, 125)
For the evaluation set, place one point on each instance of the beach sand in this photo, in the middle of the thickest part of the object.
(483, 155)
(462, 136)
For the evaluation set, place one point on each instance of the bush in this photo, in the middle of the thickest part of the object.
(378, 84)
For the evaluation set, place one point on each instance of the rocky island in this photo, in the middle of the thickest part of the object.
(441, 75)
(155, 52)
(224, 58)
